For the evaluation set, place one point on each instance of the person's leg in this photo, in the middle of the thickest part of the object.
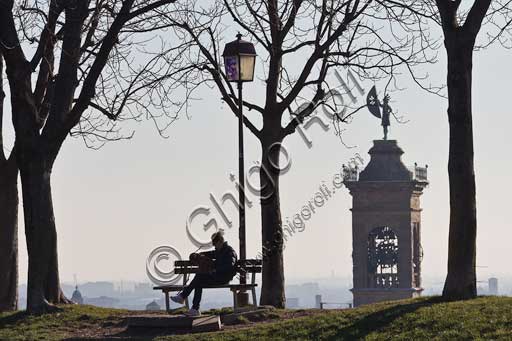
(197, 284)
(206, 281)
(198, 279)
(196, 301)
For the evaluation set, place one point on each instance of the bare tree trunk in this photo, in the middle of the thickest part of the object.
(272, 290)
(461, 279)
(43, 275)
(53, 290)
(35, 159)
(8, 235)
(8, 218)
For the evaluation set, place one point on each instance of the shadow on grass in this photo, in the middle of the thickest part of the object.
(380, 319)
(12, 319)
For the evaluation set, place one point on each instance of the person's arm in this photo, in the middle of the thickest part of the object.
(209, 254)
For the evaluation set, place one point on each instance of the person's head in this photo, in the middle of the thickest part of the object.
(218, 239)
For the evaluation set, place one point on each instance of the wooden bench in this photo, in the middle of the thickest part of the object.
(186, 268)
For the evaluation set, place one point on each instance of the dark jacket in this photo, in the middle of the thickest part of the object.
(225, 260)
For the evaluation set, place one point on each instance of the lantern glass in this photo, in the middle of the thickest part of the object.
(247, 67)
(231, 65)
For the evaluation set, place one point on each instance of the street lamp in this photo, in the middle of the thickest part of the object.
(239, 60)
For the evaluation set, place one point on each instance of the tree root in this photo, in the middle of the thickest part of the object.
(43, 307)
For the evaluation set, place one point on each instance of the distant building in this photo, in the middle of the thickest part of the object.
(153, 306)
(103, 301)
(142, 289)
(97, 289)
(318, 301)
(77, 296)
(493, 286)
(292, 302)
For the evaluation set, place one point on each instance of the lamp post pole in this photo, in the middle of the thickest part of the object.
(241, 180)
(239, 59)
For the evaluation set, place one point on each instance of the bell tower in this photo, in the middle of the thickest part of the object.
(386, 226)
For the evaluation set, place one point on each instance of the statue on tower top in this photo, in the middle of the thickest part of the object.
(374, 105)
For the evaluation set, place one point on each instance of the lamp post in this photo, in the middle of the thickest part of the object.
(239, 60)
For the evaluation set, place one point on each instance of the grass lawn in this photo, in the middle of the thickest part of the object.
(484, 318)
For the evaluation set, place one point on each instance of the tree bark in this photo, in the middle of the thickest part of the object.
(272, 289)
(8, 235)
(35, 157)
(461, 278)
(53, 290)
(43, 275)
(8, 219)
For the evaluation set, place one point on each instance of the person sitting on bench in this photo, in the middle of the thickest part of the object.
(219, 266)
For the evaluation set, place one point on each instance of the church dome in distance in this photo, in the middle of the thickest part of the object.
(77, 296)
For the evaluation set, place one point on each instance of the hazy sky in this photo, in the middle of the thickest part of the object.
(113, 206)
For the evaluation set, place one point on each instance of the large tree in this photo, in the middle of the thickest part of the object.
(8, 217)
(461, 23)
(461, 28)
(299, 42)
(92, 61)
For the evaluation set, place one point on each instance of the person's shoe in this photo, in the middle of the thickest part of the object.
(193, 313)
(178, 299)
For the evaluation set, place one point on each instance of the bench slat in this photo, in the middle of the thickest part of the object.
(234, 286)
(195, 270)
(250, 262)
(237, 266)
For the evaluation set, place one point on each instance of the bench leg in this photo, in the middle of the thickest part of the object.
(254, 290)
(167, 301)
